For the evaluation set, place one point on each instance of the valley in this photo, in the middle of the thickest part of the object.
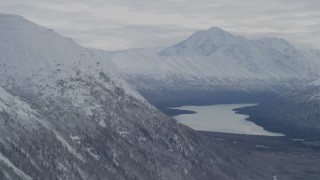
(70, 112)
(283, 157)
(213, 66)
(280, 155)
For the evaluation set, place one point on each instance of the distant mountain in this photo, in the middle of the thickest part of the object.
(64, 114)
(213, 66)
(296, 113)
(202, 43)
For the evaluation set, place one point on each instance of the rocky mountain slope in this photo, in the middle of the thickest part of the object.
(213, 66)
(64, 114)
(296, 113)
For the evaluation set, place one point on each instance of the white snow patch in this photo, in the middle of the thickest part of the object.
(82, 174)
(175, 137)
(315, 83)
(142, 139)
(123, 133)
(314, 96)
(102, 123)
(262, 146)
(68, 146)
(113, 158)
(97, 157)
(62, 167)
(75, 138)
(19, 172)
(18, 107)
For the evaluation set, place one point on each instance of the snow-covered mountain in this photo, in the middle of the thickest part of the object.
(64, 114)
(295, 113)
(212, 62)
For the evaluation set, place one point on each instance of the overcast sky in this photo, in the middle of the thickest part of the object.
(121, 24)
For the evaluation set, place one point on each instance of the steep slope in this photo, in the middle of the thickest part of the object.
(65, 115)
(296, 113)
(215, 66)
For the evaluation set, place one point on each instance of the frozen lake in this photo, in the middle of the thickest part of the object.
(221, 118)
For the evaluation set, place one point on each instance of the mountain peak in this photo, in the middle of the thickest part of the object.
(11, 18)
(217, 30)
(214, 33)
(201, 43)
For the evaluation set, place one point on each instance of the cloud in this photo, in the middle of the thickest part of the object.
(120, 24)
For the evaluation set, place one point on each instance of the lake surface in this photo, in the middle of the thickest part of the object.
(221, 118)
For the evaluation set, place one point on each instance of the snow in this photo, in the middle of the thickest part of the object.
(82, 173)
(313, 96)
(62, 167)
(142, 139)
(262, 146)
(314, 93)
(19, 172)
(217, 55)
(315, 83)
(37, 55)
(18, 107)
(38, 61)
(175, 137)
(28, 116)
(90, 150)
(123, 133)
(114, 158)
(68, 146)
(102, 123)
(75, 138)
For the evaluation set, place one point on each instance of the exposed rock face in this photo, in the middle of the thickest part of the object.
(65, 115)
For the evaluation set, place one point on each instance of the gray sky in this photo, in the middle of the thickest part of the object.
(121, 24)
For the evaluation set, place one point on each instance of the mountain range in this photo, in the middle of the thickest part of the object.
(214, 66)
(67, 113)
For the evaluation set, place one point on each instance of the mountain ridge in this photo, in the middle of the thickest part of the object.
(295, 113)
(64, 114)
(217, 59)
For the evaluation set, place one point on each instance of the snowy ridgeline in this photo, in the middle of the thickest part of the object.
(41, 56)
(217, 54)
(65, 114)
(219, 59)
